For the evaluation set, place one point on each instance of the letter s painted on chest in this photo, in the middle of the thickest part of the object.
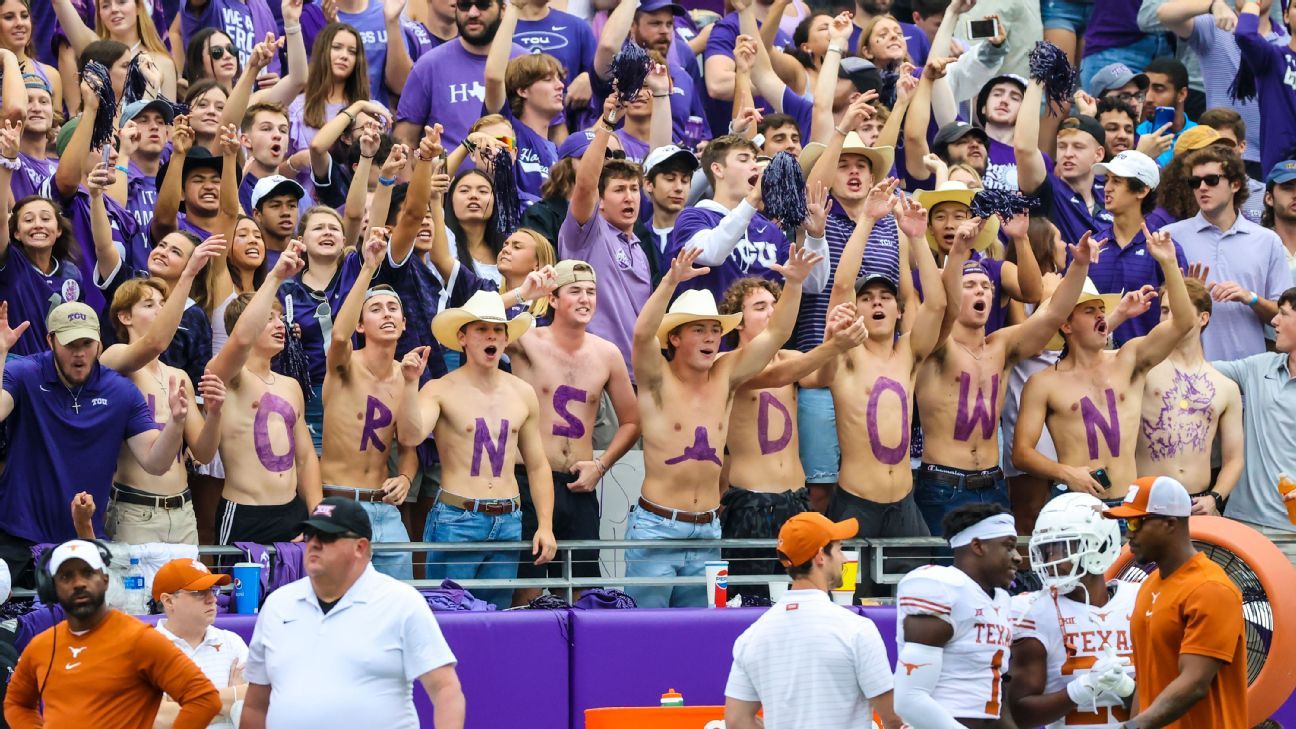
(573, 427)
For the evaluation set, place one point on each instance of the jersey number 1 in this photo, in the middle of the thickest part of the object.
(996, 678)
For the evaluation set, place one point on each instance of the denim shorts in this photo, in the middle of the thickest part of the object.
(817, 426)
(1072, 15)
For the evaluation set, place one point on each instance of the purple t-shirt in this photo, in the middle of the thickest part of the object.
(126, 235)
(724, 35)
(1068, 210)
(763, 246)
(420, 292)
(1113, 24)
(141, 196)
(32, 295)
(1275, 75)
(28, 180)
(561, 35)
(48, 423)
(446, 87)
(801, 109)
(916, 42)
(314, 311)
(624, 277)
(246, 22)
(535, 155)
(635, 149)
(1001, 166)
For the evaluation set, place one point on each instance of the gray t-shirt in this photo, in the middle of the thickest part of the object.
(1269, 421)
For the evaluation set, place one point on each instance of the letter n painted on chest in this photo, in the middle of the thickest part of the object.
(889, 455)
(572, 427)
(770, 445)
(377, 417)
(271, 404)
(494, 449)
(1094, 422)
(982, 410)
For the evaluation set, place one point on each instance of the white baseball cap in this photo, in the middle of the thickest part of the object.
(1153, 496)
(670, 151)
(1131, 163)
(77, 549)
(276, 185)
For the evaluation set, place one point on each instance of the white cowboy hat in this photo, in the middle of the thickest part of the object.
(694, 305)
(880, 159)
(957, 192)
(1087, 294)
(483, 306)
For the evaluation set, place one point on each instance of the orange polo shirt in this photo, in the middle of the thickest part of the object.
(1196, 610)
(111, 677)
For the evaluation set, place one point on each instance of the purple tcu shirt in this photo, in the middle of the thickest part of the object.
(446, 87)
(762, 246)
(126, 235)
(535, 155)
(1275, 75)
(245, 22)
(561, 35)
(314, 311)
(31, 295)
(27, 181)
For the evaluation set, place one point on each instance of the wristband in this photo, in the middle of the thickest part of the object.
(661, 96)
(833, 49)
(13, 164)
(839, 131)
(1255, 299)
(122, 168)
(386, 181)
(366, 156)
(290, 29)
(349, 116)
(602, 468)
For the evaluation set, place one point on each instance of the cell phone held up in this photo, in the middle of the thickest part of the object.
(983, 29)
(1164, 115)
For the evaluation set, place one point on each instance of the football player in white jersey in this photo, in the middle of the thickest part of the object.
(1071, 640)
(954, 631)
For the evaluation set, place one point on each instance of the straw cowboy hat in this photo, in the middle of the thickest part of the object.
(957, 192)
(694, 305)
(880, 159)
(1087, 294)
(483, 306)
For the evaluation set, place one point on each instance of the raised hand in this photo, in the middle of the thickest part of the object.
(1157, 142)
(430, 145)
(658, 81)
(747, 120)
(840, 29)
(375, 247)
(1136, 303)
(370, 138)
(290, 262)
(1225, 19)
(935, 69)
(264, 52)
(89, 99)
(292, 12)
(182, 135)
(880, 199)
(414, 362)
(798, 266)
(681, 269)
(178, 400)
(906, 84)
(755, 197)
(128, 138)
(1198, 270)
(744, 53)
(1085, 103)
(152, 74)
(1016, 226)
(859, 111)
(10, 138)
(392, 9)
(959, 7)
(330, 9)
(83, 509)
(966, 234)
(212, 391)
(853, 334)
(1160, 245)
(206, 251)
(1086, 251)
(538, 283)
(9, 337)
(816, 222)
(101, 178)
(228, 139)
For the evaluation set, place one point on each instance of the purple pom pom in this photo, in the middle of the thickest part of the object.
(292, 362)
(784, 189)
(1049, 66)
(96, 75)
(629, 71)
(136, 84)
(508, 208)
(1004, 203)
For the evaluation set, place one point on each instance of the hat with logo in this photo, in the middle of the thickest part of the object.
(1114, 76)
(1282, 172)
(337, 515)
(806, 534)
(1153, 496)
(670, 151)
(1132, 164)
(569, 271)
(87, 552)
(185, 574)
(73, 320)
(276, 185)
(575, 144)
(135, 108)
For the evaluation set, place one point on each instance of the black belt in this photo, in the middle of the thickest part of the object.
(157, 502)
(972, 481)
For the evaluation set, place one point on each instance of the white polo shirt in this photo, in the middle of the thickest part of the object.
(810, 663)
(353, 667)
(215, 655)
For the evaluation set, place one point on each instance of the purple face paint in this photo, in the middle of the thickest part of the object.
(573, 428)
(983, 411)
(1184, 422)
(377, 416)
(494, 450)
(892, 455)
(701, 449)
(152, 406)
(1094, 422)
(768, 445)
(271, 403)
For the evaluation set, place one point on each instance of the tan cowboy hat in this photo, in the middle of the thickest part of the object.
(880, 159)
(694, 305)
(1087, 294)
(483, 306)
(957, 192)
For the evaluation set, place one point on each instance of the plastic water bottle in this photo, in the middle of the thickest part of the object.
(136, 602)
(672, 698)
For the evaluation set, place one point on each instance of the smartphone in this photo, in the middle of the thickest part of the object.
(983, 29)
(1101, 477)
(1164, 115)
(107, 153)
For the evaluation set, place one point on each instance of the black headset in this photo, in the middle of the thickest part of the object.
(45, 581)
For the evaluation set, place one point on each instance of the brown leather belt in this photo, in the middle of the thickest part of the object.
(489, 507)
(157, 502)
(372, 496)
(688, 517)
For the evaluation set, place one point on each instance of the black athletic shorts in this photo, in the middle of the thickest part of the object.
(259, 524)
(575, 516)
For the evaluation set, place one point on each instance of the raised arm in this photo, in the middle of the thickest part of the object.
(716, 244)
(767, 82)
(1031, 336)
(358, 193)
(876, 206)
(615, 32)
(203, 428)
(843, 332)
(906, 87)
(294, 42)
(10, 134)
(71, 166)
(236, 105)
(220, 285)
(155, 450)
(409, 426)
(79, 34)
(1258, 52)
(1180, 15)
(399, 63)
(1150, 350)
(925, 335)
(418, 195)
(1031, 172)
(1022, 280)
(334, 128)
(8, 338)
(824, 171)
(919, 119)
(751, 358)
(746, 116)
(250, 324)
(14, 89)
(584, 196)
(108, 258)
(170, 192)
(660, 128)
(646, 357)
(338, 356)
(945, 32)
(822, 122)
(497, 59)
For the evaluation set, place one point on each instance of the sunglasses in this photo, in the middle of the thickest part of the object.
(614, 154)
(327, 537)
(218, 52)
(1195, 182)
(208, 594)
(1135, 523)
(464, 6)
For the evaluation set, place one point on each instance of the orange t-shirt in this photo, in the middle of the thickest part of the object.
(1197, 610)
(111, 677)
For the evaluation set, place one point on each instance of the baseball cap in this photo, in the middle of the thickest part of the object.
(71, 321)
(336, 515)
(77, 549)
(1086, 124)
(569, 271)
(670, 151)
(955, 131)
(1198, 137)
(1114, 76)
(65, 134)
(863, 282)
(136, 108)
(1284, 171)
(862, 74)
(804, 535)
(185, 574)
(1134, 164)
(652, 6)
(575, 144)
(276, 185)
(1153, 496)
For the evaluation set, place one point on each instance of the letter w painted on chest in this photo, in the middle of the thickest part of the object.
(770, 445)
(982, 411)
(494, 450)
(377, 417)
(1095, 422)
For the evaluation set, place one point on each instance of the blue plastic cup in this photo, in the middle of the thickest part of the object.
(247, 588)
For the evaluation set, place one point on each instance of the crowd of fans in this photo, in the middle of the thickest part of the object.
(431, 257)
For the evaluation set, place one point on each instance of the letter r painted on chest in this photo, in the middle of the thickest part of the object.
(377, 417)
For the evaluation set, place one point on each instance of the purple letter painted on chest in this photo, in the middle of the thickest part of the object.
(1094, 422)
(701, 449)
(768, 446)
(983, 411)
(493, 449)
(377, 416)
(573, 428)
(884, 454)
(271, 403)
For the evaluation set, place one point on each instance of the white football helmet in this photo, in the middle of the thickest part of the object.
(1072, 539)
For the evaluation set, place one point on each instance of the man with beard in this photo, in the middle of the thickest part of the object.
(1118, 120)
(101, 667)
(956, 143)
(60, 403)
(1280, 208)
(997, 107)
(1190, 652)
(446, 84)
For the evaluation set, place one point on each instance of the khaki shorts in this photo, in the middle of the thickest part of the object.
(136, 524)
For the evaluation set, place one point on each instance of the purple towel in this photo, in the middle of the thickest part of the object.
(600, 599)
(34, 623)
(450, 597)
(287, 563)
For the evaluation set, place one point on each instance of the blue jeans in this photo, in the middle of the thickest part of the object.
(1135, 55)
(936, 498)
(447, 523)
(1067, 15)
(389, 527)
(817, 424)
(668, 562)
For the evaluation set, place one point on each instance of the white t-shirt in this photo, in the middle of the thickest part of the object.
(1089, 630)
(810, 663)
(218, 652)
(353, 667)
(976, 657)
